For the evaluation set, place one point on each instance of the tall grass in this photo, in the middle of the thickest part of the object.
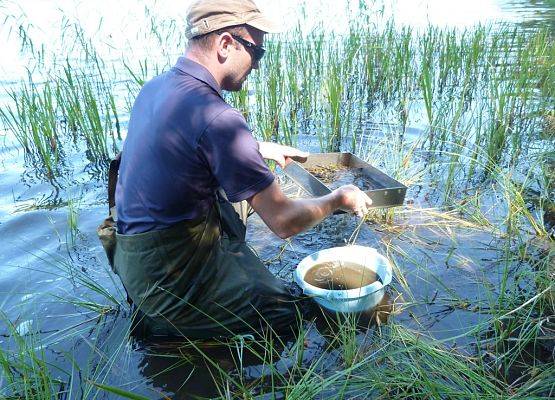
(330, 85)
(32, 119)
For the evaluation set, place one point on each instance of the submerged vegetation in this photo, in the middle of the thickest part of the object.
(464, 118)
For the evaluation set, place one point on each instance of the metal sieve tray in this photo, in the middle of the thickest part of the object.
(385, 191)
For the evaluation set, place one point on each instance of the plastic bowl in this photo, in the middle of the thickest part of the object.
(352, 300)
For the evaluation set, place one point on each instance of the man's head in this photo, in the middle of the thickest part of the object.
(228, 36)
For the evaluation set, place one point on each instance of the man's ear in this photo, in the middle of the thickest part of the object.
(223, 44)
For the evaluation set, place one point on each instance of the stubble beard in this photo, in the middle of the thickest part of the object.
(235, 82)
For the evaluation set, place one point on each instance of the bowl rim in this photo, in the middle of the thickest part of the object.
(349, 294)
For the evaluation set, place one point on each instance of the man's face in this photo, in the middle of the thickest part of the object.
(242, 59)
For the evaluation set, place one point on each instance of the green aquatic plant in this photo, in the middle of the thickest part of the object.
(269, 93)
(24, 371)
(414, 365)
(89, 109)
(334, 95)
(32, 117)
(240, 100)
(72, 221)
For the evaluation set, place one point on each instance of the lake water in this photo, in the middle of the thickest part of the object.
(50, 266)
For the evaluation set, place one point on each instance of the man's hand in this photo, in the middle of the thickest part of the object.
(352, 199)
(283, 155)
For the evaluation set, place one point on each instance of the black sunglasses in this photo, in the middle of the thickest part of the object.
(257, 51)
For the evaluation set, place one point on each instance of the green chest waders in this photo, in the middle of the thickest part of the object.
(200, 279)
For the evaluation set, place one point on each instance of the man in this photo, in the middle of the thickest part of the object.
(181, 251)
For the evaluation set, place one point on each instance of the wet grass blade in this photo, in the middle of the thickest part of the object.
(120, 392)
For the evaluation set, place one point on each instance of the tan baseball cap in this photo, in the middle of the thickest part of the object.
(204, 16)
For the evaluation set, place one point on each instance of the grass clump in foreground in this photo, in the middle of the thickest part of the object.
(24, 373)
(391, 362)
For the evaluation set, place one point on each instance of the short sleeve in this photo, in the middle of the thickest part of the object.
(232, 154)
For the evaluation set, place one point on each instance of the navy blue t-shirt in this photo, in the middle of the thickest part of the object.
(183, 143)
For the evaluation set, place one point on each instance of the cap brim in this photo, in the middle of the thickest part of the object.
(264, 24)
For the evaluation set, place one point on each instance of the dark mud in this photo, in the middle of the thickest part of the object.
(335, 176)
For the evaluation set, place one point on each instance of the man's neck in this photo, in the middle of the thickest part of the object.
(206, 63)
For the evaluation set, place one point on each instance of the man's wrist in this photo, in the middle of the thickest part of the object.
(336, 200)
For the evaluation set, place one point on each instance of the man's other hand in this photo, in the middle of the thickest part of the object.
(352, 199)
(282, 155)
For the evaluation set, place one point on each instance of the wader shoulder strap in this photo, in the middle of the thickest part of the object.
(107, 229)
(112, 181)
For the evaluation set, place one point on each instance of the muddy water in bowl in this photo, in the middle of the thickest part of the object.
(361, 275)
(339, 276)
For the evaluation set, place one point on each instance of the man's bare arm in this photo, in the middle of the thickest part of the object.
(287, 217)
